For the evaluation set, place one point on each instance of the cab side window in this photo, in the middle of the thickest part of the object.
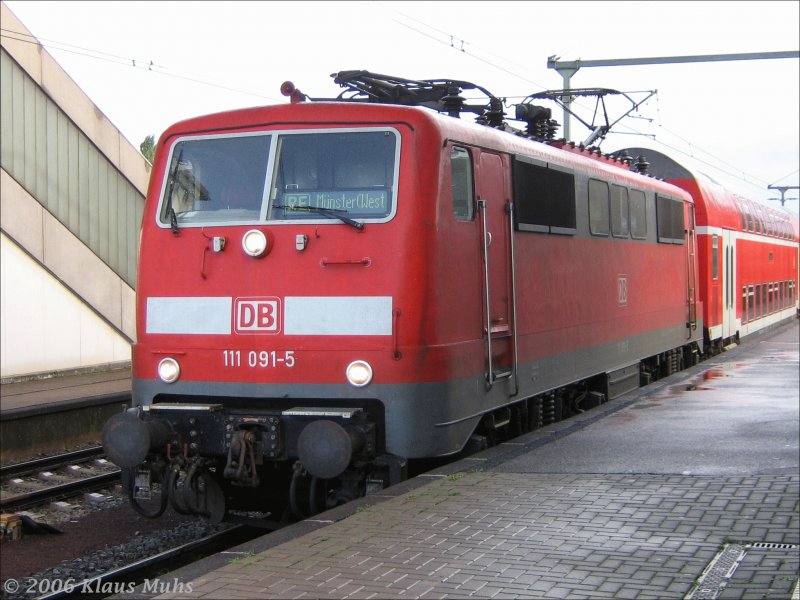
(462, 184)
(599, 223)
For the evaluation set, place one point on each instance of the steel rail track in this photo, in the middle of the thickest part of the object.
(123, 579)
(49, 462)
(14, 502)
(27, 499)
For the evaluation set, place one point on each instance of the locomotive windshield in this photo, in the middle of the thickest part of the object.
(338, 175)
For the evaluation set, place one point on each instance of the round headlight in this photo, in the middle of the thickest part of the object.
(254, 243)
(169, 370)
(359, 373)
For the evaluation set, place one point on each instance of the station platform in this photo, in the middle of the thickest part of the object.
(688, 488)
(70, 387)
(61, 411)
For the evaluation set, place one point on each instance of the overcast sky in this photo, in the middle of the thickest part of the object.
(149, 64)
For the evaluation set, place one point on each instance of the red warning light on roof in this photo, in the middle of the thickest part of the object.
(289, 89)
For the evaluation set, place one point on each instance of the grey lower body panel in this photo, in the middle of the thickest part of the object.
(435, 419)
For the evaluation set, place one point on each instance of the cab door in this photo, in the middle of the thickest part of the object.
(496, 232)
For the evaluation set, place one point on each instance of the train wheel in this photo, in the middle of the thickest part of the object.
(174, 486)
(147, 498)
(308, 495)
(202, 495)
(212, 498)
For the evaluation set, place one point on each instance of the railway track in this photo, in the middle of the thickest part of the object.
(145, 572)
(50, 462)
(32, 483)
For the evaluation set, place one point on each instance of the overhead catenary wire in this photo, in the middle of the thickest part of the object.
(440, 36)
(728, 169)
(143, 64)
(795, 172)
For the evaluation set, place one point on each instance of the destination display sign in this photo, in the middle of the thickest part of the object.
(363, 203)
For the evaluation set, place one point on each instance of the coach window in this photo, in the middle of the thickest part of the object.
(766, 298)
(744, 304)
(544, 197)
(775, 302)
(757, 300)
(561, 201)
(461, 181)
(769, 303)
(637, 210)
(669, 214)
(598, 207)
(619, 211)
(714, 257)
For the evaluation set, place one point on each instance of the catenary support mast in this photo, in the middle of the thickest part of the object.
(568, 68)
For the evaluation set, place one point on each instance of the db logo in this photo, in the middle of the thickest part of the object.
(622, 289)
(257, 315)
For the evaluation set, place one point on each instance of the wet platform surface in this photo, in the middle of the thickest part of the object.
(60, 412)
(64, 388)
(659, 494)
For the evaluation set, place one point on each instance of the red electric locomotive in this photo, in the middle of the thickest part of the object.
(748, 255)
(329, 289)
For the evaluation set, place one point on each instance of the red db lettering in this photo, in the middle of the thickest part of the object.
(257, 315)
(265, 320)
(248, 316)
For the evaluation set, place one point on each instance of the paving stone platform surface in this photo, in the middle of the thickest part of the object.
(619, 503)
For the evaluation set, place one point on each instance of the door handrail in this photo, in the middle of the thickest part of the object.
(488, 298)
(515, 362)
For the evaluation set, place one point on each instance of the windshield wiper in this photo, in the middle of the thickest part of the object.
(333, 212)
(173, 219)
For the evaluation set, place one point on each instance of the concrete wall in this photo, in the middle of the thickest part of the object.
(62, 306)
(46, 327)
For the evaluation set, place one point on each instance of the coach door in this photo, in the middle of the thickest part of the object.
(492, 185)
(691, 256)
(729, 327)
